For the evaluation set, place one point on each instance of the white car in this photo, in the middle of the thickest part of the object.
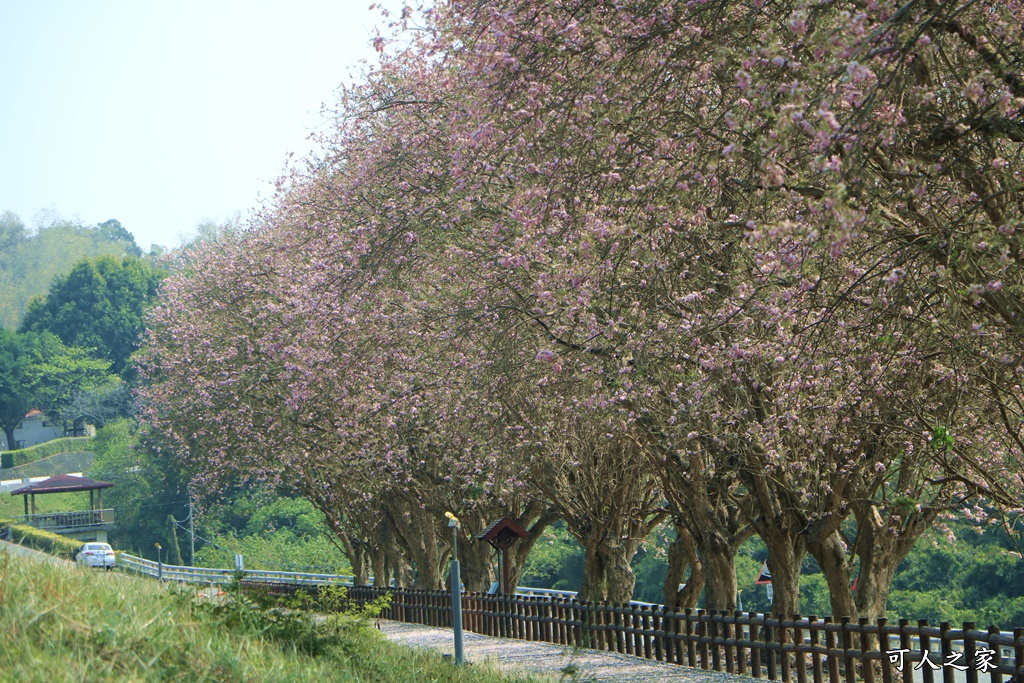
(96, 555)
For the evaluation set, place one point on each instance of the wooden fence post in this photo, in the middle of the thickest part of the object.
(658, 624)
(783, 638)
(883, 647)
(715, 636)
(755, 644)
(970, 652)
(997, 658)
(799, 650)
(813, 632)
(925, 640)
(948, 672)
(847, 644)
(645, 627)
(867, 669)
(728, 641)
(1018, 654)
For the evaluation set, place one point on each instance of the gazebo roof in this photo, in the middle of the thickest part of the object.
(62, 483)
(502, 532)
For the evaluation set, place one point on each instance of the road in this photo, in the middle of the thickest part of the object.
(15, 549)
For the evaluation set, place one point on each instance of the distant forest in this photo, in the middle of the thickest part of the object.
(30, 258)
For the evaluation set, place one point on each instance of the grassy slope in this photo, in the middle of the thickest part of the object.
(70, 624)
(14, 506)
(47, 448)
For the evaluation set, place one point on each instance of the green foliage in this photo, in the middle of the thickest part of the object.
(38, 371)
(277, 533)
(44, 541)
(146, 489)
(72, 444)
(249, 613)
(974, 579)
(556, 561)
(31, 259)
(99, 306)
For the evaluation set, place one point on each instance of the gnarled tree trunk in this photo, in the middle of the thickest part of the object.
(682, 556)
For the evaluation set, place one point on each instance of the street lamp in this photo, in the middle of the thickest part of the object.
(453, 523)
(159, 563)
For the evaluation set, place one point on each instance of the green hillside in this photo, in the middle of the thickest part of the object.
(63, 623)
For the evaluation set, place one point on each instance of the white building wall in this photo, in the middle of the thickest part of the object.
(31, 431)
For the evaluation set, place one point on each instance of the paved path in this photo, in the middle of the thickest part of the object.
(558, 662)
(16, 549)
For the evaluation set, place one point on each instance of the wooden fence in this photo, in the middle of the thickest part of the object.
(800, 649)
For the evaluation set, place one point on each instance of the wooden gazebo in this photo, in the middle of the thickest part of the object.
(92, 522)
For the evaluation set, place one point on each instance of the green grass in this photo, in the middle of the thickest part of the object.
(71, 624)
(14, 506)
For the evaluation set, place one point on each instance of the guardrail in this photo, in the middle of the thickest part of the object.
(208, 575)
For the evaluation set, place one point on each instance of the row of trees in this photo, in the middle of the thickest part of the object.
(750, 267)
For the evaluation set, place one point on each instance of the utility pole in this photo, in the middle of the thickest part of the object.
(191, 533)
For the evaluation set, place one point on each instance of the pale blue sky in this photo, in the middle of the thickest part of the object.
(164, 114)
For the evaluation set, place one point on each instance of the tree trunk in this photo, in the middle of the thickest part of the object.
(592, 588)
(418, 534)
(784, 558)
(881, 549)
(831, 555)
(360, 561)
(477, 565)
(682, 556)
(618, 572)
(719, 562)
(519, 553)
(378, 565)
(12, 445)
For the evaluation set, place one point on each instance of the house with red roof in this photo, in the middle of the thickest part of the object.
(37, 428)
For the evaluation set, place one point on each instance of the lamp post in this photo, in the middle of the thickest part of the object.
(453, 523)
(159, 563)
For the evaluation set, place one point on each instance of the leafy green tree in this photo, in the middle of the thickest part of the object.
(145, 489)
(38, 371)
(15, 393)
(112, 231)
(99, 305)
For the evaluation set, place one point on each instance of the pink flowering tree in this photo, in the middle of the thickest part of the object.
(772, 248)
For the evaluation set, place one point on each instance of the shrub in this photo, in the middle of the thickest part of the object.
(44, 541)
(24, 456)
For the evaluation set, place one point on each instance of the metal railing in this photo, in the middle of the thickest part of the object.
(189, 574)
(56, 521)
(209, 575)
